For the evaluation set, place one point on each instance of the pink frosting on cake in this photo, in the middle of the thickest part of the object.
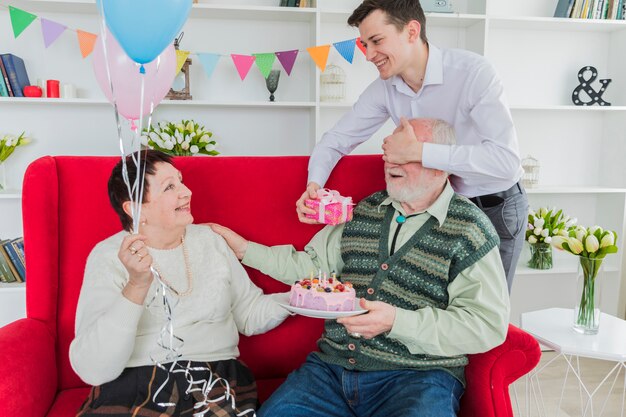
(329, 295)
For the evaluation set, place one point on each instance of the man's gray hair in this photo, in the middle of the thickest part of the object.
(443, 133)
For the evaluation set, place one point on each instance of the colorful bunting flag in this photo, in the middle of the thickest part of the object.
(20, 20)
(181, 57)
(86, 41)
(243, 64)
(208, 61)
(287, 59)
(346, 49)
(264, 62)
(51, 31)
(360, 45)
(319, 55)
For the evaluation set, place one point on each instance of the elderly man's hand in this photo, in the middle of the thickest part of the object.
(302, 209)
(402, 146)
(378, 320)
(238, 244)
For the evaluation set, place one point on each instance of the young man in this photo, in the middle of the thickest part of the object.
(426, 265)
(417, 79)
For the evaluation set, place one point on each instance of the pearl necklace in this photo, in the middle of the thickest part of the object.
(187, 271)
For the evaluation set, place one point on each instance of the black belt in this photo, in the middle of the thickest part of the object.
(490, 200)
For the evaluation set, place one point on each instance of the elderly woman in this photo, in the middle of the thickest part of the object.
(121, 320)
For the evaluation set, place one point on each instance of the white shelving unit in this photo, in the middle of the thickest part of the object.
(581, 149)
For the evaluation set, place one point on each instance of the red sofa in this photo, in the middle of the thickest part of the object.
(66, 212)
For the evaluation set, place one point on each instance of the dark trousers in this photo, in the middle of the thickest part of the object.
(509, 216)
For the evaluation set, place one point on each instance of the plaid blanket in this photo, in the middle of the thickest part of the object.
(210, 389)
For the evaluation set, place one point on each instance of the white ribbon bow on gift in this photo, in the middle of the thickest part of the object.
(326, 196)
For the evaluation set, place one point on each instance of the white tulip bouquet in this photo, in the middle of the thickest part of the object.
(545, 225)
(8, 143)
(183, 139)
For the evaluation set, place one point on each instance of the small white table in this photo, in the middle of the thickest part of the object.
(553, 328)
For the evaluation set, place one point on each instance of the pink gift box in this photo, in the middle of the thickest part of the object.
(330, 207)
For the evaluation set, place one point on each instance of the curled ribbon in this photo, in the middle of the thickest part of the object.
(326, 197)
(172, 345)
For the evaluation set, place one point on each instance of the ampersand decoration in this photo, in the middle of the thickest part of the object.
(595, 97)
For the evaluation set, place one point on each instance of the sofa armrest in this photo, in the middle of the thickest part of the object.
(489, 375)
(29, 371)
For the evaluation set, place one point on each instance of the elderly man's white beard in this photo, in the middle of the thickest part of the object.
(406, 194)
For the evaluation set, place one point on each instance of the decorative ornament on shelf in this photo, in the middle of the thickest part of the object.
(271, 82)
(333, 84)
(180, 87)
(544, 226)
(181, 139)
(530, 178)
(8, 143)
(591, 245)
(585, 89)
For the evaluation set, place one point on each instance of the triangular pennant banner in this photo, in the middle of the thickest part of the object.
(20, 20)
(346, 49)
(51, 31)
(243, 64)
(86, 41)
(287, 59)
(181, 57)
(319, 55)
(360, 45)
(264, 62)
(208, 61)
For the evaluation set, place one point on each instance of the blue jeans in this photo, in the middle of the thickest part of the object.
(321, 389)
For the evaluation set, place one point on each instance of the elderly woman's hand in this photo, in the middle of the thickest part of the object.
(137, 260)
(238, 244)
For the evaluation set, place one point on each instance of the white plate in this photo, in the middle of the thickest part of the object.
(318, 314)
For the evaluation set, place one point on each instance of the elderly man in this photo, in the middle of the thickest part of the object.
(426, 263)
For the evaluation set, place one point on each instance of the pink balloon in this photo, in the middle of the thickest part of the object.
(126, 78)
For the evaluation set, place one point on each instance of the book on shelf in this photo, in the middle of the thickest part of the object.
(4, 254)
(5, 77)
(16, 71)
(6, 274)
(17, 260)
(4, 92)
(563, 8)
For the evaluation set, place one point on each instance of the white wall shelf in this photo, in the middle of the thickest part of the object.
(557, 24)
(521, 107)
(11, 194)
(568, 269)
(456, 20)
(575, 190)
(301, 14)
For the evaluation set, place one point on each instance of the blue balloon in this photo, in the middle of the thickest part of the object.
(144, 28)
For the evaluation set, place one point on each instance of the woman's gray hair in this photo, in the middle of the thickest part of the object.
(443, 133)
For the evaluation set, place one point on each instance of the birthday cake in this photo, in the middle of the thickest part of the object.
(325, 294)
